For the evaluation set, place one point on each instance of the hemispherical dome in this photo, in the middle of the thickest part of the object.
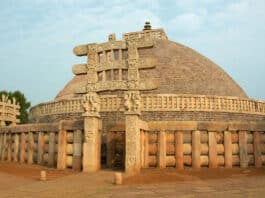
(179, 70)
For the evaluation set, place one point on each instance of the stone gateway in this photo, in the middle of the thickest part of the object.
(143, 101)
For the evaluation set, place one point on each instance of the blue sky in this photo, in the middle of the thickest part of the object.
(37, 37)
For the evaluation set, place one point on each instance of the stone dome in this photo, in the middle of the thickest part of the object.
(179, 70)
(159, 79)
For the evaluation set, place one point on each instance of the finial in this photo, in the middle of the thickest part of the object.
(147, 26)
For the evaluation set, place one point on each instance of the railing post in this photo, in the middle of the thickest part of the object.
(243, 153)
(257, 149)
(51, 159)
(22, 147)
(16, 149)
(228, 149)
(179, 150)
(30, 147)
(40, 147)
(196, 149)
(3, 153)
(9, 147)
(162, 149)
(62, 143)
(77, 158)
(212, 150)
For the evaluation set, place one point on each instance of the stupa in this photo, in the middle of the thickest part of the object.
(145, 101)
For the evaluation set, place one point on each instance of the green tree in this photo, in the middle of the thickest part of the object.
(22, 101)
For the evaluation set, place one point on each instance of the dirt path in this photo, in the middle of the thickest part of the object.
(31, 172)
(155, 176)
(21, 181)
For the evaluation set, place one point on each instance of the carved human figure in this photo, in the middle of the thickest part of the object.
(91, 103)
(132, 101)
(127, 103)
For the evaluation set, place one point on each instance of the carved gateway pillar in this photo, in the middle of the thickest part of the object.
(117, 73)
(91, 104)
(92, 139)
(132, 133)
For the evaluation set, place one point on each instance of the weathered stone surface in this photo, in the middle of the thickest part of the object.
(62, 144)
(30, 148)
(80, 50)
(132, 145)
(40, 149)
(228, 149)
(243, 153)
(30, 127)
(51, 149)
(212, 126)
(77, 152)
(162, 149)
(79, 69)
(172, 125)
(196, 149)
(257, 126)
(212, 150)
(179, 150)
(91, 145)
(257, 149)
(9, 110)
(72, 124)
(239, 126)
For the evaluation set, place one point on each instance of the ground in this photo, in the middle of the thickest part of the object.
(23, 181)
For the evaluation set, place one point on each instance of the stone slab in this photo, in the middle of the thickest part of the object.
(257, 126)
(212, 126)
(237, 126)
(172, 125)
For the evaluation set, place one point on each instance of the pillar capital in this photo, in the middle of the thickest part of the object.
(91, 104)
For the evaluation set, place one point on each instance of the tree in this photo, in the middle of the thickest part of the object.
(22, 101)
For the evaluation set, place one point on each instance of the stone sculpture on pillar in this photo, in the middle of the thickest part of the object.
(91, 105)
(132, 102)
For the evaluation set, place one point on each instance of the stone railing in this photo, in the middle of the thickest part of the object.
(8, 111)
(57, 107)
(171, 102)
(49, 144)
(194, 144)
(158, 102)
